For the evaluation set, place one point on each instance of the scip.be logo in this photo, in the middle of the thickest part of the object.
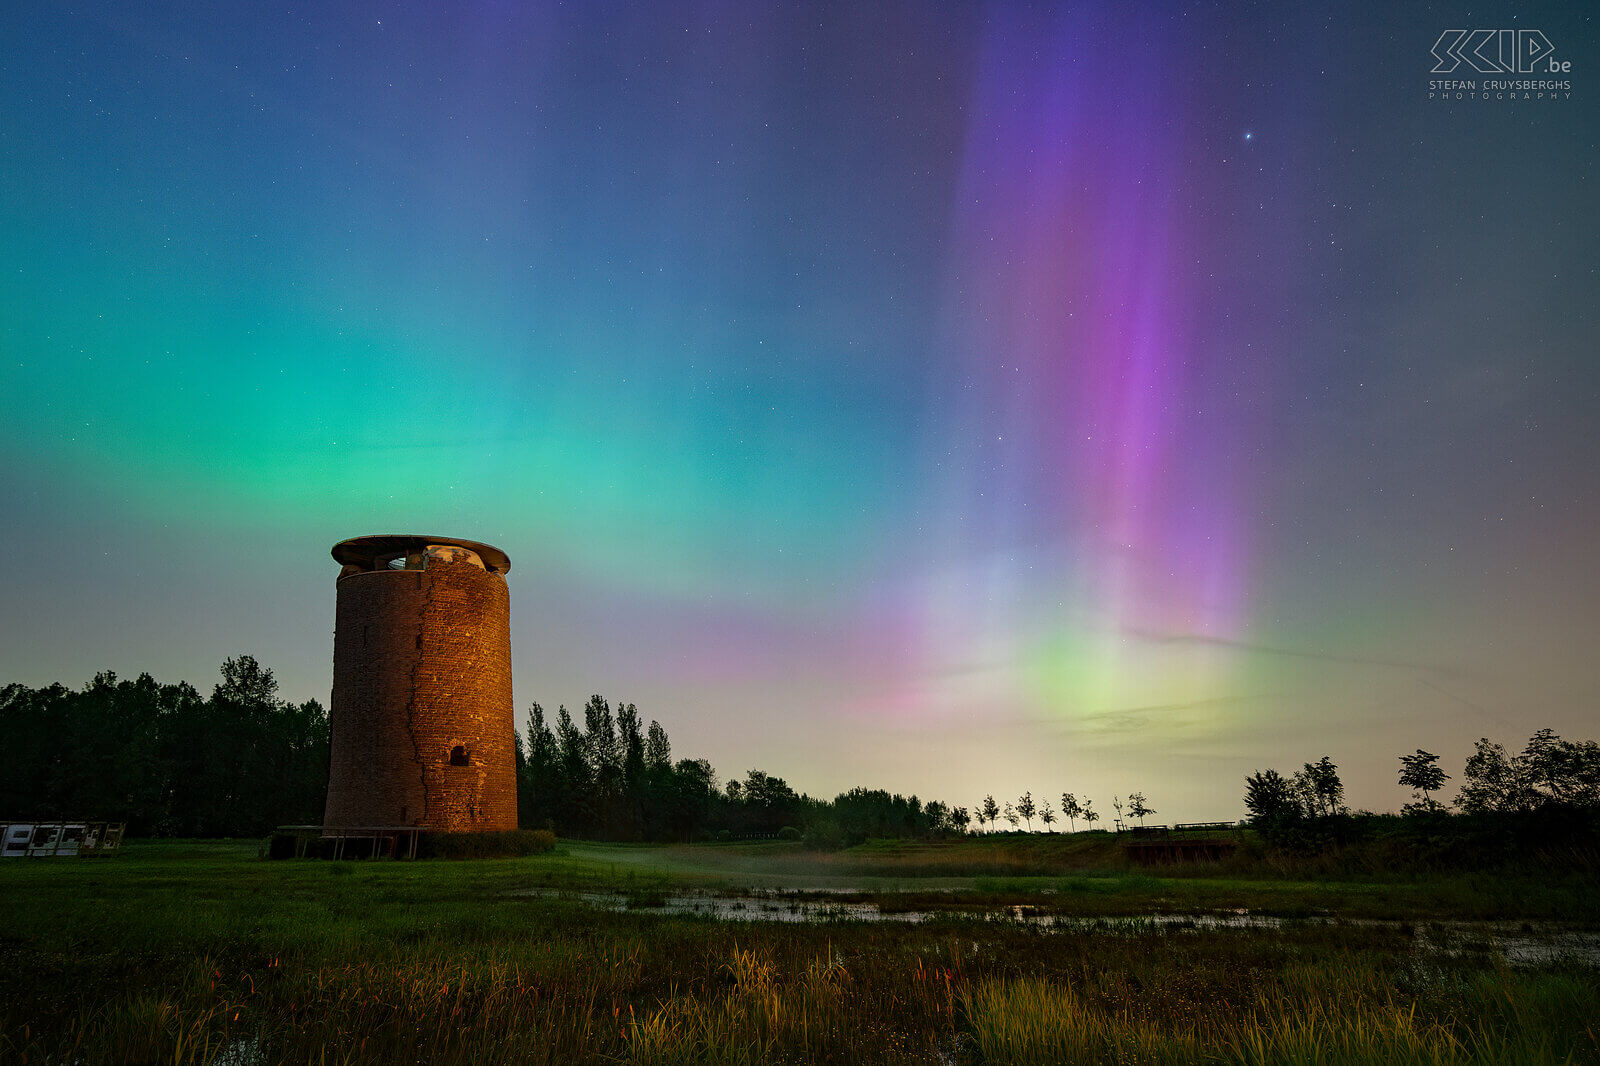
(1497, 52)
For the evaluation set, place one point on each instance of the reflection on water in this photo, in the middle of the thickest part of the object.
(1521, 944)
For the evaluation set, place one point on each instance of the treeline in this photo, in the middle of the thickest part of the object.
(988, 813)
(1545, 797)
(613, 778)
(171, 762)
(242, 761)
(163, 758)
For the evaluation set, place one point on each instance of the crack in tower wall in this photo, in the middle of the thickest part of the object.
(426, 589)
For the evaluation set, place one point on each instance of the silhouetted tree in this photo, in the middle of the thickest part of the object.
(1320, 790)
(765, 804)
(657, 749)
(862, 813)
(1088, 813)
(168, 762)
(520, 766)
(164, 760)
(1047, 816)
(1269, 797)
(1541, 762)
(657, 782)
(1026, 809)
(1305, 813)
(575, 807)
(1421, 773)
(1070, 810)
(1560, 771)
(989, 811)
(629, 821)
(693, 793)
(1138, 807)
(603, 752)
(1581, 773)
(1490, 782)
(1548, 772)
(537, 786)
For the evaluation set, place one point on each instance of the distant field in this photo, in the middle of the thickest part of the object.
(194, 952)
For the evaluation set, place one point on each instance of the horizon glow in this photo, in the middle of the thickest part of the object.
(946, 401)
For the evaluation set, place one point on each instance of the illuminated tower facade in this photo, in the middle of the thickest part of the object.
(421, 715)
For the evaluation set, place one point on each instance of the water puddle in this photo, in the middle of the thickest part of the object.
(1521, 944)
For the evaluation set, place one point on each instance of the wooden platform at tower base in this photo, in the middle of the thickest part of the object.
(355, 841)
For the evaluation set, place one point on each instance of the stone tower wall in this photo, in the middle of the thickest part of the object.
(422, 668)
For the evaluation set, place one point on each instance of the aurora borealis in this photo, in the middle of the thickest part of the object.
(946, 398)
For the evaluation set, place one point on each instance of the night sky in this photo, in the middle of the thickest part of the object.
(939, 397)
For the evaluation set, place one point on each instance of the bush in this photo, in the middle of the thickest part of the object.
(1553, 838)
(513, 843)
(826, 834)
(280, 846)
(724, 835)
(788, 832)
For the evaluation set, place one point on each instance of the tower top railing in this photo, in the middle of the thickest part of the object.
(382, 551)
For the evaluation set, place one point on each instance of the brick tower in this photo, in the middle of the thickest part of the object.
(421, 715)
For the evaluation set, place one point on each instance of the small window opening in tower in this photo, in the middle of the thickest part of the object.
(458, 756)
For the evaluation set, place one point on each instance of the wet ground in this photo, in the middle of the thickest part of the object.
(1521, 944)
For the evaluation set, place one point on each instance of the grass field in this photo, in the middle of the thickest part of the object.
(186, 952)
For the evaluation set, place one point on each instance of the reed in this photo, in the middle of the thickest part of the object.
(206, 956)
(1320, 1016)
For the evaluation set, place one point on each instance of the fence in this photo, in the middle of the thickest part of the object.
(1184, 842)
